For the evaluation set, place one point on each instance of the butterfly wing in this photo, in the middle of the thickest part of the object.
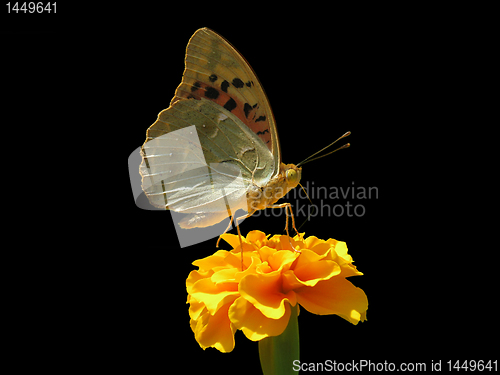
(216, 71)
(198, 159)
(217, 137)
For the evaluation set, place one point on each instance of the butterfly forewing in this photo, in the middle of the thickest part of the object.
(216, 139)
(217, 72)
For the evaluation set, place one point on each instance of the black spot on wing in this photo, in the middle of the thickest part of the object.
(230, 104)
(196, 86)
(261, 118)
(263, 132)
(247, 108)
(249, 83)
(238, 83)
(213, 78)
(211, 93)
(224, 85)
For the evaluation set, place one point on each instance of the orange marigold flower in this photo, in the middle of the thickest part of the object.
(257, 300)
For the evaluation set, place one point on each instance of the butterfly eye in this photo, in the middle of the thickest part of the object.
(291, 175)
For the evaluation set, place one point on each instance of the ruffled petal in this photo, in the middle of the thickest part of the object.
(196, 308)
(264, 292)
(274, 242)
(257, 237)
(265, 252)
(253, 323)
(194, 276)
(286, 243)
(312, 241)
(226, 275)
(232, 239)
(311, 268)
(282, 260)
(215, 330)
(341, 256)
(212, 295)
(308, 273)
(214, 260)
(335, 296)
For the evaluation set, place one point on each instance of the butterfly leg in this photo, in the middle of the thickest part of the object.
(288, 206)
(229, 226)
(239, 233)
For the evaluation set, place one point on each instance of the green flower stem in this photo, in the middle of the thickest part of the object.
(278, 353)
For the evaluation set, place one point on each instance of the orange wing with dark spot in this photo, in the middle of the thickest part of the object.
(216, 71)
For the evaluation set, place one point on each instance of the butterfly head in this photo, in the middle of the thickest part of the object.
(292, 175)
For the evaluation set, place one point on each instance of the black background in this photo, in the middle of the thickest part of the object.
(113, 288)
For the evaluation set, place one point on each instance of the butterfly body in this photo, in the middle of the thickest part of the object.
(215, 149)
(259, 198)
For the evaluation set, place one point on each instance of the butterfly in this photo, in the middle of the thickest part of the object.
(215, 149)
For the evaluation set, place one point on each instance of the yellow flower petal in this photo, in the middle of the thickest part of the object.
(334, 296)
(282, 260)
(264, 292)
(232, 239)
(307, 256)
(196, 308)
(286, 243)
(322, 248)
(291, 282)
(253, 323)
(309, 273)
(215, 260)
(310, 268)
(215, 330)
(257, 237)
(265, 252)
(225, 275)
(253, 240)
(263, 268)
(194, 276)
(312, 241)
(341, 256)
(274, 242)
(212, 295)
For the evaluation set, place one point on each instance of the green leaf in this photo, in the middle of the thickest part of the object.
(278, 353)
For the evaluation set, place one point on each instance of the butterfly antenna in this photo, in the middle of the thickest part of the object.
(308, 159)
(309, 214)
